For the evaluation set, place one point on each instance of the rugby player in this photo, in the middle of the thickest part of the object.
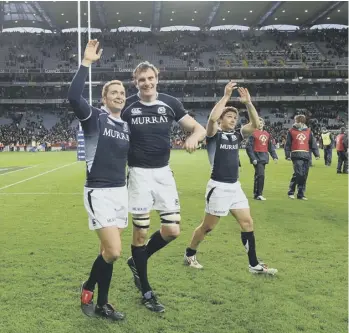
(151, 184)
(105, 193)
(224, 193)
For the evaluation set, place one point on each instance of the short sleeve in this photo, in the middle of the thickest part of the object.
(178, 109)
(211, 138)
(240, 136)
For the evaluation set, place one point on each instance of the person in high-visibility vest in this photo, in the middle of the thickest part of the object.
(300, 141)
(342, 151)
(258, 148)
(327, 145)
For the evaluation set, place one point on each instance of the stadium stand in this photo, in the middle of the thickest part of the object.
(287, 72)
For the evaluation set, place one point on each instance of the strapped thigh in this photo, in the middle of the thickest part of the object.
(141, 221)
(170, 218)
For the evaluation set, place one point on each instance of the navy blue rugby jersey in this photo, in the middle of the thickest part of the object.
(150, 125)
(107, 139)
(223, 154)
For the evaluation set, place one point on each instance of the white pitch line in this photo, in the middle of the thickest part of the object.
(7, 173)
(38, 193)
(39, 175)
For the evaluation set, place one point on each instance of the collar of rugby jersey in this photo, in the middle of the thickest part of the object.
(110, 115)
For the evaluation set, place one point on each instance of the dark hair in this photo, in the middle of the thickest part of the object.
(229, 109)
(300, 118)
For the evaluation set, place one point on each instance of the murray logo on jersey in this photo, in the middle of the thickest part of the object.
(149, 120)
(115, 134)
(224, 146)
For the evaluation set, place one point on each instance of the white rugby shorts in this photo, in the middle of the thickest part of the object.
(106, 207)
(152, 189)
(223, 197)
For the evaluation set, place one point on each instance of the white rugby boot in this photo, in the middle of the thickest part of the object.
(262, 269)
(192, 262)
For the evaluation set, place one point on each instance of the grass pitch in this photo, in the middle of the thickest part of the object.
(47, 250)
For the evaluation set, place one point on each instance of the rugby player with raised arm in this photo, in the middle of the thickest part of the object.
(223, 192)
(105, 193)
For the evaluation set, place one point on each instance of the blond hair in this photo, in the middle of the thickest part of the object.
(108, 84)
(142, 67)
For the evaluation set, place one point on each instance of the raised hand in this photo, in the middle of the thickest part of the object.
(229, 88)
(91, 55)
(245, 97)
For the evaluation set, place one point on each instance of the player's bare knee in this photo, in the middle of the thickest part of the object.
(111, 254)
(246, 224)
(170, 225)
(170, 233)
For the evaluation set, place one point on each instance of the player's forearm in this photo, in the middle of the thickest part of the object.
(253, 115)
(199, 133)
(80, 106)
(218, 108)
(78, 84)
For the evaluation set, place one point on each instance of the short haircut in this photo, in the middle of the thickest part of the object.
(342, 129)
(142, 67)
(300, 118)
(229, 109)
(108, 84)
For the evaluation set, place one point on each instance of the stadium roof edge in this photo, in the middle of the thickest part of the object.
(60, 15)
(281, 27)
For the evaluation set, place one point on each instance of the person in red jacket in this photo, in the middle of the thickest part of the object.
(300, 141)
(342, 151)
(258, 148)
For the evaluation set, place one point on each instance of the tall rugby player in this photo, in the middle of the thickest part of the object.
(151, 182)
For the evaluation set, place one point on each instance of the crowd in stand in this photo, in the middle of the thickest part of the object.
(33, 129)
(19, 132)
(188, 90)
(189, 47)
(247, 48)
